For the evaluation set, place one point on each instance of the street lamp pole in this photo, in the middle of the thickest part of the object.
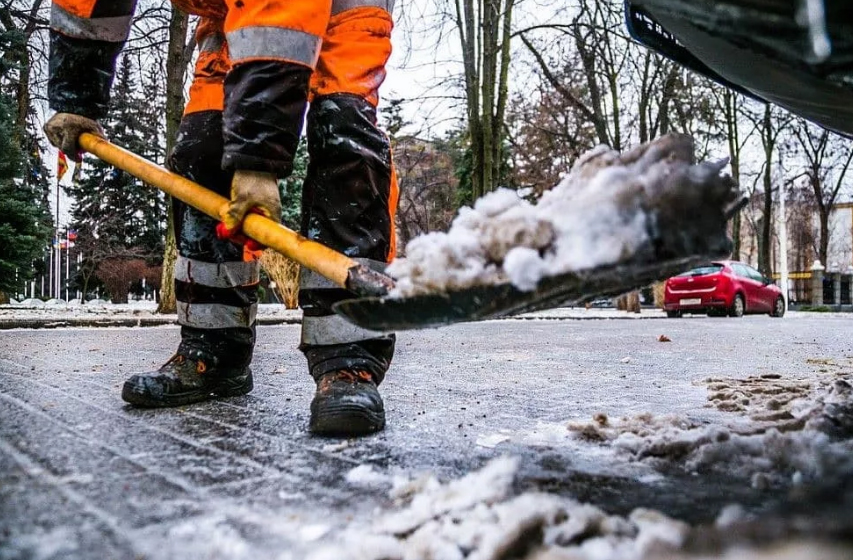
(783, 245)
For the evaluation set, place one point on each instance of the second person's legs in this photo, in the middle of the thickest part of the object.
(348, 204)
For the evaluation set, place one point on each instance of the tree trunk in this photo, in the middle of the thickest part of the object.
(176, 66)
(730, 112)
(764, 263)
(85, 288)
(502, 90)
(823, 253)
(484, 31)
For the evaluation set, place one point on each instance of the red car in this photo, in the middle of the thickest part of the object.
(720, 288)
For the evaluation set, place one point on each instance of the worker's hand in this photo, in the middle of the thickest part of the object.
(63, 130)
(251, 191)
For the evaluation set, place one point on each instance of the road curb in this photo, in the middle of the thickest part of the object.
(108, 322)
(105, 322)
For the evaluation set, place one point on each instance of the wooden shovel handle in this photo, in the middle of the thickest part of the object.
(335, 266)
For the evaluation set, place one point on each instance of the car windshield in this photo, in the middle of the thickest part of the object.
(702, 270)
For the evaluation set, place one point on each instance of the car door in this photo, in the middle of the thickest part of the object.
(768, 292)
(751, 287)
(762, 294)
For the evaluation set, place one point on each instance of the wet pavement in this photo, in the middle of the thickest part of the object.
(82, 475)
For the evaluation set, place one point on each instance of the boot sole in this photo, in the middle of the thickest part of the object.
(137, 395)
(345, 421)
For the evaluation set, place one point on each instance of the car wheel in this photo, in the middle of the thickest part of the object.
(778, 308)
(673, 314)
(737, 308)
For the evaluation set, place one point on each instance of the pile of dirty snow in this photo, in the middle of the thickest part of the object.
(817, 445)
(479, 517)
(648, 204)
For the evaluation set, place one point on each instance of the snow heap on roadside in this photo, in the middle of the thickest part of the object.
(818, 444)
(602, 213)
(478, 517)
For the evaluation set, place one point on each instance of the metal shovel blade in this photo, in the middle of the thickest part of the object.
(501, 300)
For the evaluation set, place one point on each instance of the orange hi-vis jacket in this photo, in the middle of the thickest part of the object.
(344, 43)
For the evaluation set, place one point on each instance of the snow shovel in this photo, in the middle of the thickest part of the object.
(342, 270)
(684, 208)
(677, 245)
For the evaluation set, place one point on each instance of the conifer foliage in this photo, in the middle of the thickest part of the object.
(24, 223)
(117, 216)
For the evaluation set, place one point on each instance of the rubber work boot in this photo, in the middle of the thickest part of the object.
(347, 403)
(184, 380)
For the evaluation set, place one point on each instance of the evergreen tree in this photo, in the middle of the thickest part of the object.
(116, 215)
(23, 234)
(124, 215)
(36, 174)
(290, 189)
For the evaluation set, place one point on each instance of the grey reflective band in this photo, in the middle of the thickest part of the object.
(310, 280)
(215, 315)
(333, 329)
(339, 6)
(274, 42)
(212, 43)
(109, 29)
(217, 275)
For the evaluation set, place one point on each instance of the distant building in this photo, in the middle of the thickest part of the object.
(803, 236)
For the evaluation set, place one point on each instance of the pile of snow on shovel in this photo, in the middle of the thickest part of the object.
(602, 213)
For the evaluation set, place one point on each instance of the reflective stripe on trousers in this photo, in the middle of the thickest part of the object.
(319, 325)
(215, 315)
(212, 295)
(333, 329)
(217, 275)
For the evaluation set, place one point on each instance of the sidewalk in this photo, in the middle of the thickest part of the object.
(35, 314)
(619, 443)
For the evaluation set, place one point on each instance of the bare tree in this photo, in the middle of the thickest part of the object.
(769, 122)
(119, 274)
(827, 159)
(179, 53)
(427, 186)
(25, 17)
(801, 209)
(484, 28)
(731, 105)
(597, 62)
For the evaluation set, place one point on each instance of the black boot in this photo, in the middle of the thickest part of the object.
(346, 403)
(186, 378)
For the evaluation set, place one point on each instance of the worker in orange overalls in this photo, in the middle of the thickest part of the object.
(260, 62)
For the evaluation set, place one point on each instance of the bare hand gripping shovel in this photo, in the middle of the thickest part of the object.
(689, 228)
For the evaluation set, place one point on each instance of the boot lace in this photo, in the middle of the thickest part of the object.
(180, 359)
(353, 376)
(348, 376)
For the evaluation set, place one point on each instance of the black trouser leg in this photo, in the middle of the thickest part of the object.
(345, 205)
(216, 290)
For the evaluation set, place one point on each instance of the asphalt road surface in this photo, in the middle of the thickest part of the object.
(82, 475)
